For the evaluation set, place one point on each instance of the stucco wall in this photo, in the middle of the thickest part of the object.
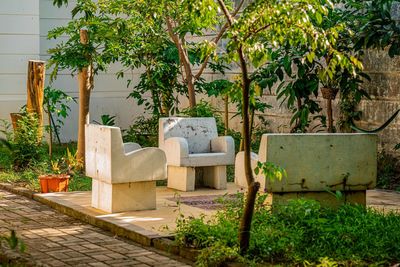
(385, 92)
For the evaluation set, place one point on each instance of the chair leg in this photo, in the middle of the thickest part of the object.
(181, 178)
(215, 177)
(123, 197)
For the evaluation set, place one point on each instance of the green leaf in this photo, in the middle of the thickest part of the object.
(318, 16)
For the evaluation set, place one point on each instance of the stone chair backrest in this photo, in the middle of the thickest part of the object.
(197, 131)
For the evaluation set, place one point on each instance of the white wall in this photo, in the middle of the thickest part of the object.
(19, 42)
(23, 35)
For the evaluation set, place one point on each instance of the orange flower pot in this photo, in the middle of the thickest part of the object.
(54, 183)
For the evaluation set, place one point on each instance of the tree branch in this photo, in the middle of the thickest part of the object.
(217, 39)
(184, 60)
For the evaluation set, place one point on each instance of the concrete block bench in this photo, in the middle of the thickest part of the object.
(316, 164)
(193, 149)
(123, 175)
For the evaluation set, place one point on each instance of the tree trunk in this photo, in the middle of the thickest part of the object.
(184, 57)
(165, 105)
(247, 217)
(226, 115)
(298, 120)
(191, 90)
(184, 60)
(50, 131)
(85, 81)
(253, 187)
(330, 115)
(35, 91)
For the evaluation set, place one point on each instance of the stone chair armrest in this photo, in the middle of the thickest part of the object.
(176, 148)
(223, 144)
(144, 164)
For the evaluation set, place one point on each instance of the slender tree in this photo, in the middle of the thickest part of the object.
(254, 37)
(86, 84)
(87, 51)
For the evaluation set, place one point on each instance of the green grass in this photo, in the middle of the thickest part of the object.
(299, 233)
(80, 183)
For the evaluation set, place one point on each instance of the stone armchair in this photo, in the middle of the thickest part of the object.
(194, 150)
(316, 165)
(123, 175)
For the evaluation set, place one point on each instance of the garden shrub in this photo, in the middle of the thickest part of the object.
(143, 131)
(301, 232)
(205, 109)
(24, 147)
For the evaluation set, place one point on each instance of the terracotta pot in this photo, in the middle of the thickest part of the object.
(14, 119)
(54, 183)
(329, 93)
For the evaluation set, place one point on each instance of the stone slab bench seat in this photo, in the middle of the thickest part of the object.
(123, 175)
(316, 164)
(193, 143)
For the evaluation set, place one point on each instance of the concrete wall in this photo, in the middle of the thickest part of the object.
(385, 92)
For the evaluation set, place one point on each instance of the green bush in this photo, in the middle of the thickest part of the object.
(301, 232)
(143, 131)
(204, 109)
(23, 147)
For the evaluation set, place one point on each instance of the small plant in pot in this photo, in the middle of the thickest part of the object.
(61, 172)
(57, 180)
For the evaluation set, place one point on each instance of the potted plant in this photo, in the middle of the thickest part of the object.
(61, 172)
(57, 181)
(329, 91)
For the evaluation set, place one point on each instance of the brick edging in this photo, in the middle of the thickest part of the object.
(17, 190)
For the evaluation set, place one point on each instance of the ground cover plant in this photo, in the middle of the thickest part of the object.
(28, 176)
(300, 233)
(23, 157)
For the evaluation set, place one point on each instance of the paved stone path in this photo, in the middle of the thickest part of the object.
(54, 239)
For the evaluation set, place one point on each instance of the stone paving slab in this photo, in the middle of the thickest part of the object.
(55, 239)
(148, 224)
(384, 200)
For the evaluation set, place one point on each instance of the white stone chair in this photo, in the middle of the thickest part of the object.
(192, 144)
(315, 164)
(123, 175)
